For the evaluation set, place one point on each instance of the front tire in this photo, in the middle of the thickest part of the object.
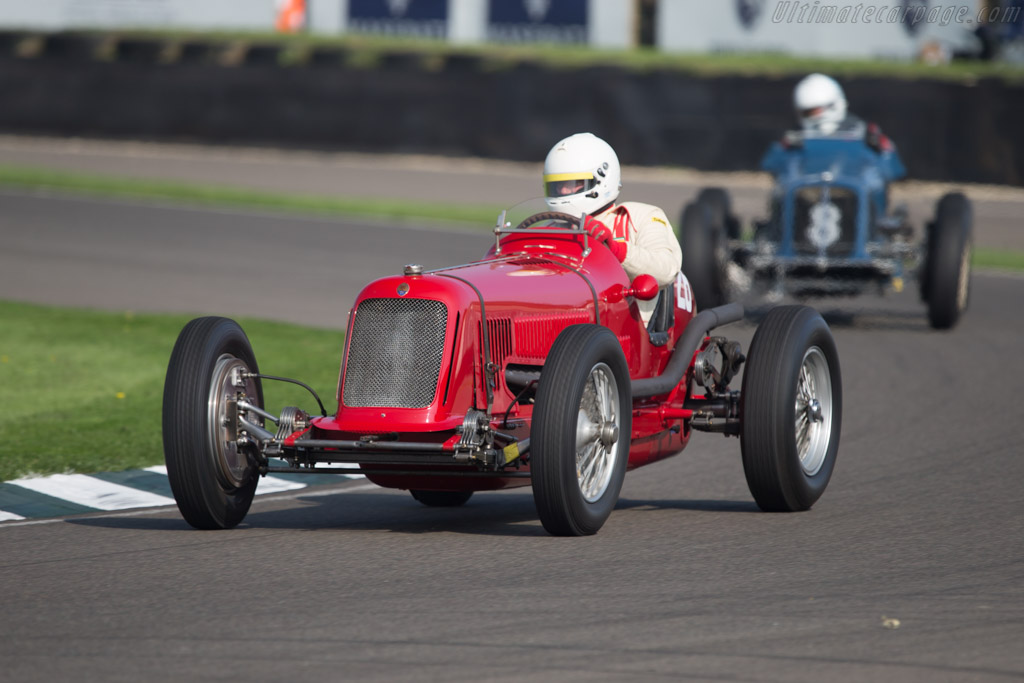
(791, 410)
(213, 479)
(579, 440)
(947, 272)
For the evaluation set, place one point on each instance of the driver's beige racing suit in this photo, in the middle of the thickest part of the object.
(651, 244)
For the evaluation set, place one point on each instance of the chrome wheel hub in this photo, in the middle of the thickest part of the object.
(229, 383)
(813, 411)
(597, 433)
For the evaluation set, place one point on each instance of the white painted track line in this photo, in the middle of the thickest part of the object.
(271, 484)
(92, 492)
(99, 494)
(143, 513)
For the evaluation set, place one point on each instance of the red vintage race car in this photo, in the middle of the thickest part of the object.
(530, 367)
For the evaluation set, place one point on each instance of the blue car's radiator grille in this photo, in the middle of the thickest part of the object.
(805, 201)
(394, 353)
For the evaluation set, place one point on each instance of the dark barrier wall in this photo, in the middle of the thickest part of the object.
(464, 106)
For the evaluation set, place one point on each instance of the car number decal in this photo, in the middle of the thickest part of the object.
(684, 295)
(824, 228)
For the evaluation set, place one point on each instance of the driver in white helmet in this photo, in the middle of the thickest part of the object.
(821, 109)
(582, 176)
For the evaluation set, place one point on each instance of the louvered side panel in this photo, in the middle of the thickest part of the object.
(534, 335)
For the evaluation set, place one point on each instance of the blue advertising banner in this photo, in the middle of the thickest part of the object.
(537, 21)
(421, 18)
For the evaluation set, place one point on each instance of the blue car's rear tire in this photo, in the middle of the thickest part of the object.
(705, 254)
(946, 278)
(719, 202)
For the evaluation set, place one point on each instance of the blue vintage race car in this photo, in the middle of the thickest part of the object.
(830, 231)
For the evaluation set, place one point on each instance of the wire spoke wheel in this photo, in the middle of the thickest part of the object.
(597, 429)
(813, 411)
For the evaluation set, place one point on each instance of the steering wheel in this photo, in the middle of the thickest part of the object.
(549, 216)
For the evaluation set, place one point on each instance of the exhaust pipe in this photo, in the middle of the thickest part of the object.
(694, 333)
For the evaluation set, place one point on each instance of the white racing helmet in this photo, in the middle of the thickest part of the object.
(820, 104)
(581, 175)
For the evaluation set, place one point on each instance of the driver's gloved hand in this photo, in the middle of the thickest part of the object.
(598, 230)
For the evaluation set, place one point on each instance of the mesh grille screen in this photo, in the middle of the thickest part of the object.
(394, 355)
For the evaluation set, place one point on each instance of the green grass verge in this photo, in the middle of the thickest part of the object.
(480, 216)
(113, 186)
(998, 259)
(81, 391)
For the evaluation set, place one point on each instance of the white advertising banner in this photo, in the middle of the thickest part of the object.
(58, 15)
(895, 29)
(602, 23)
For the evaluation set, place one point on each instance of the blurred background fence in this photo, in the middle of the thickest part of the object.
(68, 67)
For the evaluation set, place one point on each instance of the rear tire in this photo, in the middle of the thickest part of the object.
(946, 279)
(213, 480)
(790, 410)
(441, 499)
(705, 254)
(580, 437)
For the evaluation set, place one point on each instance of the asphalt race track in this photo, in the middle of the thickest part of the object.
(133, 256)
(909, 568)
